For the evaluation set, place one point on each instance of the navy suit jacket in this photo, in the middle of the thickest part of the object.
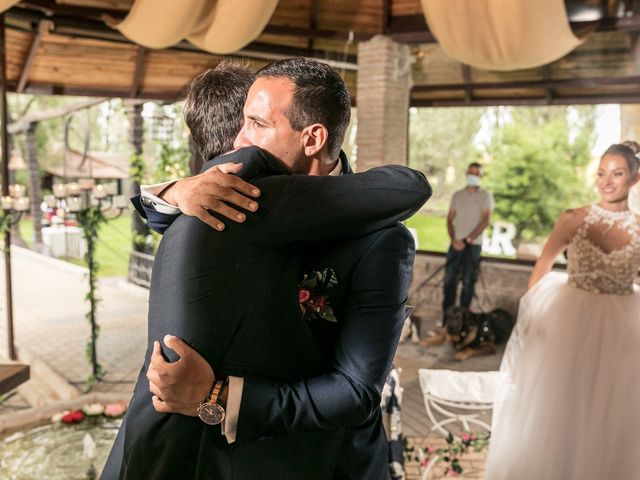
(233, 297)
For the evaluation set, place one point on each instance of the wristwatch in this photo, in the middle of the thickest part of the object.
(211, 410)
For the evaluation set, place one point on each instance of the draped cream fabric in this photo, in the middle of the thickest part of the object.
(7, 4)
(501, 34)
(217, 26)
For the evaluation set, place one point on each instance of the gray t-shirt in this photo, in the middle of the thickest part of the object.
(468, 205)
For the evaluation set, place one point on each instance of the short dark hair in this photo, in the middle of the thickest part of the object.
(628, 151)
(474, 164)
(320, 96)
(213, 107)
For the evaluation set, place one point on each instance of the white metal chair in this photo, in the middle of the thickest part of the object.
(461, 398)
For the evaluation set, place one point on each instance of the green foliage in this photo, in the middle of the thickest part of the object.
(173, 163)
(5, 221)
(451, 455)
(90, 220)
(432, 231)
(137, 168)
(441, 138)
(537, 167)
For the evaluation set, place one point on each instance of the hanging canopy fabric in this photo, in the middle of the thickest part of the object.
(217, 26)
(501, 34)
(7, 4)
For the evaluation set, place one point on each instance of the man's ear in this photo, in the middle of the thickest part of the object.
(314, 138)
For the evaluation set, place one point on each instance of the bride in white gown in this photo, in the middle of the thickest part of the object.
(571, 407)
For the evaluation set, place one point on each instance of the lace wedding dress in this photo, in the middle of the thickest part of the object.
(571, 407)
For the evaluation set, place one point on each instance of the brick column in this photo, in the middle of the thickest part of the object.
(384, 82)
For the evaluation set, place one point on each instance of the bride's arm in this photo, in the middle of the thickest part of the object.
(563, 231)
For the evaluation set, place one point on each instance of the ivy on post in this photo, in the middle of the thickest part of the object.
(88, 204)
(90, 220)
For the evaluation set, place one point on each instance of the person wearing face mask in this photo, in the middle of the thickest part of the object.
(469, 214)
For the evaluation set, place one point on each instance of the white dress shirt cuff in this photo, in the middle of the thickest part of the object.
(233, 408)
(149, 196)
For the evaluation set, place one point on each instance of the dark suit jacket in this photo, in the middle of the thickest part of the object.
(369, 306)
(233, 297)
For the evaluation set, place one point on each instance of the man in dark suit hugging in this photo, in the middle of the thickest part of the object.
(289, 383)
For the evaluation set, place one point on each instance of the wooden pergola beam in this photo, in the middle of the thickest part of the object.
(51, 7)
(43, 27)
(546, 76)
(56, 89)
(544, 84)
(138, 71)
(87, 21)
(466, 78)
(526, 101)
(313, 22)
(386, 16)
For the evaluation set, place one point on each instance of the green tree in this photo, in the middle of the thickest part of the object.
(172, 163)
(538, 161)
(441, 138)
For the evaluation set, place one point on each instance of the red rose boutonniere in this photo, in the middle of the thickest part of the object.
(313, 294)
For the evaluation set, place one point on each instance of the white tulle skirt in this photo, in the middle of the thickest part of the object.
(571, 408)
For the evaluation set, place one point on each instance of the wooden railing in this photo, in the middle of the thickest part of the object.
(140, 265)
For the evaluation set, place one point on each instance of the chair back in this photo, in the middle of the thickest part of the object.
(462, 398)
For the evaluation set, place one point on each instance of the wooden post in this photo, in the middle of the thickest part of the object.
(138, 225)
(35, 191)
(5, 189)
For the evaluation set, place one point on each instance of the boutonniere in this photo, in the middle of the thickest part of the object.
(313, 294)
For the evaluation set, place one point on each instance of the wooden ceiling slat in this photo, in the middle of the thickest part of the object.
(511, 93)
(524, 101)
(339, 47)
(84, 55)
(285, 41)
(486, 76)
(556, 84)
(362, 16)
(579, 90)
(163, 73)
(405, 7)
(294, 13)
(124, 5)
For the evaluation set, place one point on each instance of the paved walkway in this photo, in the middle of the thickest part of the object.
(49, 319)
(50, 325)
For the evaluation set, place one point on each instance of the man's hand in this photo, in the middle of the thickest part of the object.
(207, 192)
(458, 245)
(181, 386)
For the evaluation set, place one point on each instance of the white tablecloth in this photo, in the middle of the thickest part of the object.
(64, 241)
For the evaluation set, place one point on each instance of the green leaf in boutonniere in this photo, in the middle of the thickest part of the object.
(313, 294)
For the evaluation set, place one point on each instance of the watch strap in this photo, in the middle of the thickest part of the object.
(215, 391)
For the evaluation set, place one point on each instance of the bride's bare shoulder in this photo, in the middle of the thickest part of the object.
(574, 215)
(570, 220)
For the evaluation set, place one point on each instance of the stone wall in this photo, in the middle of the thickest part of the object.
(500, 285)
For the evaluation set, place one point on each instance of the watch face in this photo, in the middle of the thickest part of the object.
(211, 413)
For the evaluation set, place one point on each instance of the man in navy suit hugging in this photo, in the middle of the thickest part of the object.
(296, 111)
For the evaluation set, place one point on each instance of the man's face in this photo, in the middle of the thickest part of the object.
(473, 170)
(266, 126)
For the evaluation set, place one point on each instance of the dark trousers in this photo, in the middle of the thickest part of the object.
(468, 260)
